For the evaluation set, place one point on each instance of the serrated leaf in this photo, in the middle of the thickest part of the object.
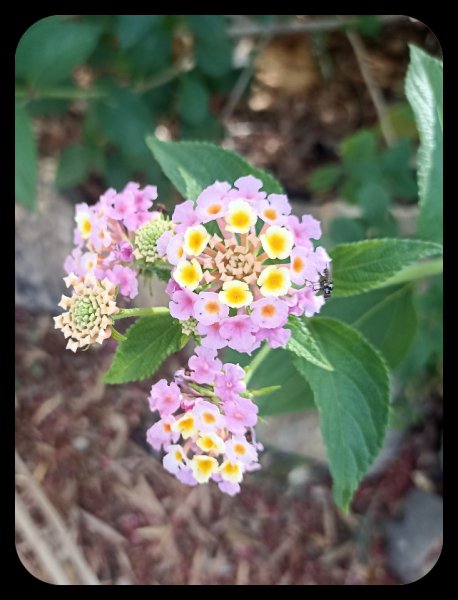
(302, 343)
(150, 340)
(277, 368)
(50, 49)
(25, 167)
(369, 264)
(352, 400)
(387, 318)
(192, 166)
(424, 90)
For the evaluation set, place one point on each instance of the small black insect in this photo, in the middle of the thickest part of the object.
(325, 284)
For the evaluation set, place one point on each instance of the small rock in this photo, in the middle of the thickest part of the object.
(415, 542)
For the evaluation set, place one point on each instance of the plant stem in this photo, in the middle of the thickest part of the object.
(260, 356)
(141, 312)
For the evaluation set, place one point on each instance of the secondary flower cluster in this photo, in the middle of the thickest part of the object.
(88, 319)
(207, 423)
(106, 236)
(241, 264)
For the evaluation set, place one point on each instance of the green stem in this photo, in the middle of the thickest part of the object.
(60, 93)
(117, 336)
(260, 356)
(201, 390)
(141, 312)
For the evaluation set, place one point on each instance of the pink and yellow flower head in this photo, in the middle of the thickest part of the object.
(206, 424)
(118, 229)
(248, 261)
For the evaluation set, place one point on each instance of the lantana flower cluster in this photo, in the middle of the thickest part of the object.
(237, 264)
(206, 424)
(113, 233)
(241, 265)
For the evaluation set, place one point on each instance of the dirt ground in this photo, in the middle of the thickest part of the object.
(83, 443)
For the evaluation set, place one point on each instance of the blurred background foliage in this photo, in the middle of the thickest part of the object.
(111, 79)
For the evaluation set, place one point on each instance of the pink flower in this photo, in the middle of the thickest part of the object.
(143, 199)
(212, 336)
(238, 331)
(269, 312)
(209, 309)
(227, 487)
(248, 188)
(212, 202)
(182, 304)
(72, 263)
(184, 216)
(306, 301)
(238, 448)
(204, 364)
(124, 252)
(208, 416)
(186, 477)
(303, 231)
(229, 384)
(135, 220)
(174, 249)
(126, 278)
(123, 206)
(274, 210)
(164, 397)
(160, 434)
(276, 338)
(240, 414)
(303, 267)
(163, 242)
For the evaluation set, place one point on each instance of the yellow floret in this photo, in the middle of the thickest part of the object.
(210, 442)
(195, 240)
(203, 467)
(240, 217)
(185, 426)
(231, 471)
(188, 274)
(277, 242)
(274, 281)
(235, 294)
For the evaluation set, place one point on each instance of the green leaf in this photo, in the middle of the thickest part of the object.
(343, 230)
(325, 178)
(303, 344)
(214, 57)
(352, 401)
(193, 99)
(387, 318)
(125, 120)
(150, 340)
(25, 159)
(192, 166)
(132, 28)
(74, 166)
(374, 201)
(295, 394)
(361, 146)
(424, 90)
(369, 264)
(50, 49)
